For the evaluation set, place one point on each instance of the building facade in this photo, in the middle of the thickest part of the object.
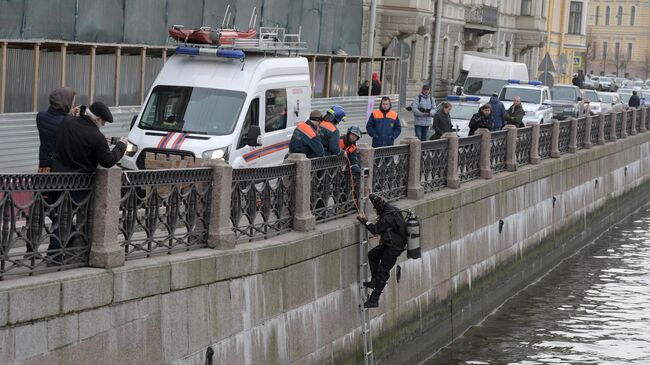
(567, 37)
(618, 37)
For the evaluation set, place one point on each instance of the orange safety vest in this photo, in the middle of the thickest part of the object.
(378, 114)
(348, 149)
(306, 129)
(329, 126)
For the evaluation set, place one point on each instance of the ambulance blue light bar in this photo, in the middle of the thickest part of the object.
(196, 51)
(534, 83)
(462, 98)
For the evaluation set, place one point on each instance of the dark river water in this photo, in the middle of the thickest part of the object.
(594, 308)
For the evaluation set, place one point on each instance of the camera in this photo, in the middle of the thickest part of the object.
(422, 110)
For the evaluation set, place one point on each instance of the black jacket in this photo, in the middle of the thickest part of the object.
(390, 227)
(515, 116)
(48, 123)
(634, 101)
(80, 147)
(441, 124)
(479, 121)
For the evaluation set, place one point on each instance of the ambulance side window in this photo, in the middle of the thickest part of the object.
(276, 110)
(252, 118)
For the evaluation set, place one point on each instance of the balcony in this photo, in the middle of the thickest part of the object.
(483, 18)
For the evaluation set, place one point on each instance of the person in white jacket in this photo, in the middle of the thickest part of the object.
(422, 107)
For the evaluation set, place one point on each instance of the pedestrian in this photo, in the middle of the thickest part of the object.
(515, 114)
(391, 228)
(498, 112)
(305, 138)
(442, 120)
(482, 119)
(421, 108)
(376, 84)
(575, 80)
(587, 110)
(348, 143)
(81, 147)
(329, 133)
(62, 103)
(383, 125)
(634, 101)
(364, 89)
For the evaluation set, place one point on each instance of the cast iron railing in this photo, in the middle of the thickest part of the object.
(469, 157)
(164, 211)
(581, 131)
(524, 141)
(262, 201)
(594, 129)
(619, 124)
(498, 148)
(433, 164)
(564, 137)
(607, 134)
(331, 188)
(545, 140)
(629, 122)
(390, 172)
(45, 222)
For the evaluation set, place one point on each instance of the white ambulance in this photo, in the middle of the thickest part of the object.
(209, 102)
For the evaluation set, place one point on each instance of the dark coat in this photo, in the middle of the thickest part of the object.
(498, 113)
(305, 140)
(634, 101)
(479, 121)
(384, 127)
(48, 123)
(329, 136)
(80, 147)
(515, 116)
(441, 124)
(390, 227)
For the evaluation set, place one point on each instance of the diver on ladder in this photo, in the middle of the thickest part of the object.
(392, 229)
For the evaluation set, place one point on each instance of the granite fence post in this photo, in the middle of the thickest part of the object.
(453, 177)
(635, 115)
(303, 219)
(534, 144)
(220, 235)
(624, 122)
(588, 121)
(106, 251)
(612, 130)
(601, 129)
(642, 126)
(555, 139)
(367, 160)
(511, 147)
(486, 143)
(415, 189)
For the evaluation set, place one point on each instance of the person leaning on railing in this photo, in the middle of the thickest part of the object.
(62, 103)
(305, 138)
(515, 114)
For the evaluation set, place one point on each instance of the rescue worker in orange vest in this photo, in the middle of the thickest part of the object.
(383, 125)
(329, 134)
(348, 144)
(305, 137)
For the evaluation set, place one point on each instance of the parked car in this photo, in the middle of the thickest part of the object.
(606, 84)
(596, 81)
(611, 102)
(618, 81)
(595, 102)
(566, 101)
(588, 83)
(535, 99)
(644, 96)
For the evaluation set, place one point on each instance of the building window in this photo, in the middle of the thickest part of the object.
(412, 63)
(594, 47)
(604, 50)
(617, 51)
(575, 17)
(507, 51)
(619, 16)
(526, 7)
(632, 15)
(629, 51)
(597, 15)
(607, 15)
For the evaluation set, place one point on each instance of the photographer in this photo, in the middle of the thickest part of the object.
(80, 146)
(421, 108)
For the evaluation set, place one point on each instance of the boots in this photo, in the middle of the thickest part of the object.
(373, 300)
(369, 284)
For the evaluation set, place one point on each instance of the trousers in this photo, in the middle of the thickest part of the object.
(381, 260)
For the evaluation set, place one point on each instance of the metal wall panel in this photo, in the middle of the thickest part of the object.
(11, 18)
(77, 75)
(49, 75)
(105, 78)
(50, 22)
(144, 21)
(99, 21)
(130, 80)
(20, 75)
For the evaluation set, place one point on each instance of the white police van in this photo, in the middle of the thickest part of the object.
(535, 99)
(239, 103)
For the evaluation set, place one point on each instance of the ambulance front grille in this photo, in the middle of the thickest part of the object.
(167, 153)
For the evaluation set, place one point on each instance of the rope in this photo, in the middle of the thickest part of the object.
(353, 190)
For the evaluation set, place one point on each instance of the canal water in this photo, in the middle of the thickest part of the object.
(594, 308)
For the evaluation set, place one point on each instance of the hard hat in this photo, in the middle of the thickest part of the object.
(355, 130)
(338, 113)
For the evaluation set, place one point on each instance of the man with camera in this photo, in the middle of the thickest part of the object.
(80, 146)
(421, 108)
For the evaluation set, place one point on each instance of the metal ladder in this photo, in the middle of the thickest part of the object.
(364, 275)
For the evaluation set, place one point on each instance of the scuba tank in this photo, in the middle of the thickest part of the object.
(413, 236)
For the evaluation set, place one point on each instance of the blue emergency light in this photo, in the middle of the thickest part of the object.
(534, 83)
(224, 53)
(462, 98)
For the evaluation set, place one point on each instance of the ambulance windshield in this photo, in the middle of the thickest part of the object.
(192, 110)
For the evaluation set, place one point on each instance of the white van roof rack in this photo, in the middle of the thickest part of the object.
(273, 40)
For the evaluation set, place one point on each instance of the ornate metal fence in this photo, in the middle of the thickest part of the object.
(164, 211)
(647, 118)
(608, 126)
(565, 136)
(498, 148)
(433, 164)
(262, 201)
(545, 140)
(619, 124)
(524, 141)
(332, 188)
(629, 122)
(581, 133)
(390, 174)
(469, 156)
(637, 121)
(594, 129)
(45, 222)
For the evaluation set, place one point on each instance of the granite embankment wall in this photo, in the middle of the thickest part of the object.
(294, 298)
